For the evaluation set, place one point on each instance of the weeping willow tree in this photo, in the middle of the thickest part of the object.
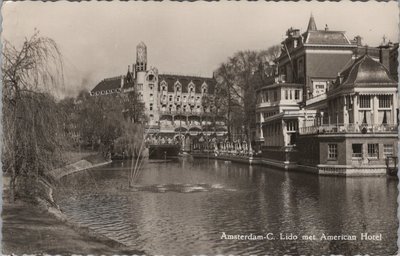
(32, 130)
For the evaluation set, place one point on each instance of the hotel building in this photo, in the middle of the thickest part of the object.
(328, 86)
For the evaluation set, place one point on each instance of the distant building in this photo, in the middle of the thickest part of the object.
(174, 104)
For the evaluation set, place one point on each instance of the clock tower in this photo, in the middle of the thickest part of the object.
(141, 57)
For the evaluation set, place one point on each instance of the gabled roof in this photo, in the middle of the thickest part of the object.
(366, 72)
(185, 81)
(108, 84)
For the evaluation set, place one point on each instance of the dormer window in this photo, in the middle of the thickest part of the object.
(177, 87)
(191, 87)
(163, 86)
(204, 88)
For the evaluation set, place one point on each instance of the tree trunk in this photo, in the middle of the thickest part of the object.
(12, 186)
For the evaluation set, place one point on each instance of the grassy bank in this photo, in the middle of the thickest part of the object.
(31, 228)
(28, 229)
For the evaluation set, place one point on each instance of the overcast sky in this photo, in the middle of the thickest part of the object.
(98, 39)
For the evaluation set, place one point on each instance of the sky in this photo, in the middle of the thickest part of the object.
(98, 39)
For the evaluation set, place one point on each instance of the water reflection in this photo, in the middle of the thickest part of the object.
(235, 199)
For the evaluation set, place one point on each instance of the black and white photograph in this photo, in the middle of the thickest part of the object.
(199, 128)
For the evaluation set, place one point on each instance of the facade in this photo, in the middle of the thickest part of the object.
(332, 106)
(360, 128)
(174, 104)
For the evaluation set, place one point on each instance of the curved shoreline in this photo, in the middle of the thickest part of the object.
(51, 206)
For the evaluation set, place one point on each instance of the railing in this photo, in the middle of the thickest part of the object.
(357, 155)
(349, 128)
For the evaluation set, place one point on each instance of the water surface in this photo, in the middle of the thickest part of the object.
(184, 207)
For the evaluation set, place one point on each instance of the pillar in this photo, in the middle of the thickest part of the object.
(393, 115)
(375, 105)
(345, 112)
(355, 110)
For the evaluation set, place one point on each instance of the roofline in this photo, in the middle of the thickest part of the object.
(276, 85)
(186, 76)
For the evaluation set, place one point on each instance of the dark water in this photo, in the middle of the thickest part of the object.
(182, 208)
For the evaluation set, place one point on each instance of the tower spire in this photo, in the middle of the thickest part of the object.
(311, 24)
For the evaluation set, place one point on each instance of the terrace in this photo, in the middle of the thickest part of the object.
(348, 128)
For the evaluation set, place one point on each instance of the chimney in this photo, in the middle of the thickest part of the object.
(326, 27)
(384, 57)
(357, 40)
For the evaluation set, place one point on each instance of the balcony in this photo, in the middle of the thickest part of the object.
(348, 128)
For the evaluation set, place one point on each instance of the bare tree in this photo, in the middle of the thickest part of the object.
(235, 77)
(31, 128)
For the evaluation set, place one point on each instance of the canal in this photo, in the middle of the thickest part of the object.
(184, 207)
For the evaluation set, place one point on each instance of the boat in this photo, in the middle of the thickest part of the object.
(164, 151)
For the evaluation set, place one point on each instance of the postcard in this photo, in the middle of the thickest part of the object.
(199, 128)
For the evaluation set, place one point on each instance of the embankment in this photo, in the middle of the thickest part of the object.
(40, 227)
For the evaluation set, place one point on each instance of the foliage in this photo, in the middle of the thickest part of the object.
(99, 119)
(32, 137)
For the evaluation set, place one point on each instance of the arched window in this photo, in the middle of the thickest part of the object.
(150, 77)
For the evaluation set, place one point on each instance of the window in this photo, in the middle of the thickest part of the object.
(332, 151)
(365, 101)
(275, 95)
(150, 78)
(297, 94)
(151, 87)
(387, 150)
(151, 106)
(385, 101)
(170, 97)
(300, 67)
(357, 150)
(151, 96)
(373, 150)
(286, 94)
